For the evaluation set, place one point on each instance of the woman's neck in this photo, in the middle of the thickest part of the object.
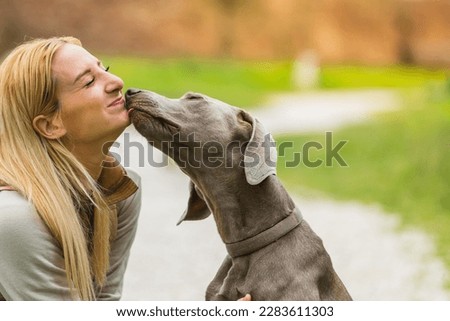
(92, 157)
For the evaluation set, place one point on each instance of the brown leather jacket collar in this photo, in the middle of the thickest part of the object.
(113, 181)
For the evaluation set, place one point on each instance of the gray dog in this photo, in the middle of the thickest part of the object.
(272, 252)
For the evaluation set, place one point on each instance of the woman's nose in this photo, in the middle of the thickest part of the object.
(114, 83)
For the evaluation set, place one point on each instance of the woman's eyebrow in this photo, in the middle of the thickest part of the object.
(85, 72)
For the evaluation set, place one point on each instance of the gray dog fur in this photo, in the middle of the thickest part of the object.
(244, 200)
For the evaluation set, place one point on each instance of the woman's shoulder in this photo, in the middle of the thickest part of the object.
(16, 212)
(22, 231)
(12, 201)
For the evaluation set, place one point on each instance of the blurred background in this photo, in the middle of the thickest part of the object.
(371, 32)
(375, 73)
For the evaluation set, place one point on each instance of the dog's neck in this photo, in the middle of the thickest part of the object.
(242, 210)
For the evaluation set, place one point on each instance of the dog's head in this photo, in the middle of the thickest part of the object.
(207, 138)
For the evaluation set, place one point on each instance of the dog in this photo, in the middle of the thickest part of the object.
(273, 254)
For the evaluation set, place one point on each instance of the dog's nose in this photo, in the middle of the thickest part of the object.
(131, 92)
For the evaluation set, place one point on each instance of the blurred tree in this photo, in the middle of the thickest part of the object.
(229, 9)
(10, 26)
(404, 25)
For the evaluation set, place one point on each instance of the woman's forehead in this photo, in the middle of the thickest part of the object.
(69, 61)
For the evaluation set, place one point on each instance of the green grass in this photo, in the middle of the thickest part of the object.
(244, 84)
(248, 83)
(344, 77)
(400, 161)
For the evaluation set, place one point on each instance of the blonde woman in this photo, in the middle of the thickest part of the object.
(68, 213)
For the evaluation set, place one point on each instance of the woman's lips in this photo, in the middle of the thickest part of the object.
(118, 101)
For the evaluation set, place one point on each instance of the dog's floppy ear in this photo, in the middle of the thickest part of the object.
(260, 156)
(196, 208)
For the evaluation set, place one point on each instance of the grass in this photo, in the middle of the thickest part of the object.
(248, 83)
(345, 77)
(244, 84)
(400, 161)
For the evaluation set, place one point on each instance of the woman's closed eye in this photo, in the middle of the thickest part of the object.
(90, 82)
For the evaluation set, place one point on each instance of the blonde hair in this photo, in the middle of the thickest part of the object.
(46, 172)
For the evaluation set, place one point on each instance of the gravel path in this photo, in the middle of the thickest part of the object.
(375, 258)
(324, 111)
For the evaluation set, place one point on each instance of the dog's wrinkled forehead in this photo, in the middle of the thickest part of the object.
(211, 109)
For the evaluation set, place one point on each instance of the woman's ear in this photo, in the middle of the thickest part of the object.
(49, 127)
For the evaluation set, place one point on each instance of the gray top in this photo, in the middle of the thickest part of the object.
(32, 263)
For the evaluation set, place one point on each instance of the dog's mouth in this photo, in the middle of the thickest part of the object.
(139, 115)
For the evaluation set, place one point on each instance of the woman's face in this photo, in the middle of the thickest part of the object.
(89, 97)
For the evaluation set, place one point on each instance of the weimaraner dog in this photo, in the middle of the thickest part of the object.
(272, 252)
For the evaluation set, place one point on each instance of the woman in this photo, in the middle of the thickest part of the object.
(68, 212)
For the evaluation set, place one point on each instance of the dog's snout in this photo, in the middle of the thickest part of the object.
(131, 92)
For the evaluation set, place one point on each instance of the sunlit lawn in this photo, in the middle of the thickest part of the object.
(333, 77)
(248, 83)
(242, 84)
